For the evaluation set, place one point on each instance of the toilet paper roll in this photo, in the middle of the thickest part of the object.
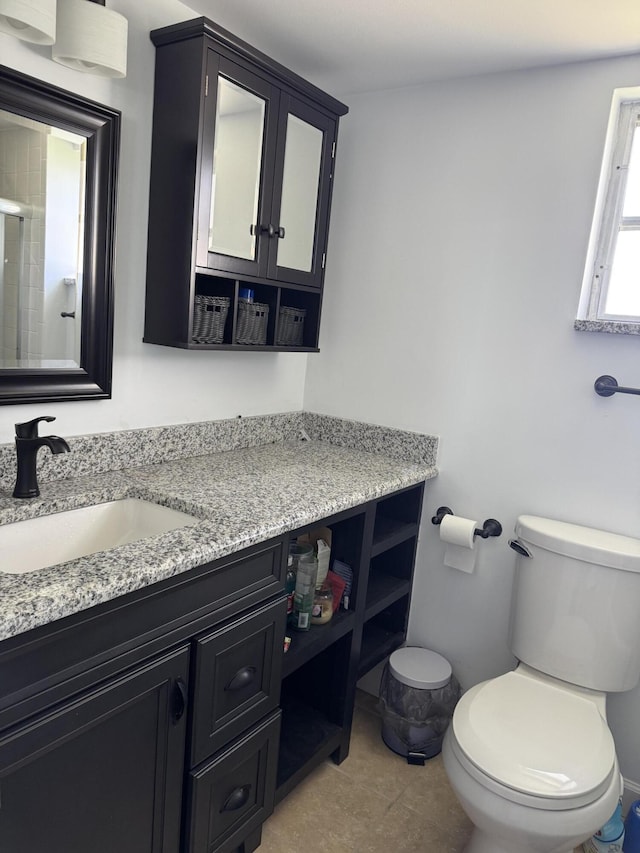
(458, 534)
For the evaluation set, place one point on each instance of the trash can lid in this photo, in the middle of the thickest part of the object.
(420, 668)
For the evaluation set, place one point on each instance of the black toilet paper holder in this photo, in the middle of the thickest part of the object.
(491, 526)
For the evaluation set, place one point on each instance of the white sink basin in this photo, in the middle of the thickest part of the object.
(51, 539)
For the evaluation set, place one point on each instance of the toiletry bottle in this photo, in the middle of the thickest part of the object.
(289, 588)
(322, 605)
(610, 838)
(296, 551)
(304, 592)
(632, 829)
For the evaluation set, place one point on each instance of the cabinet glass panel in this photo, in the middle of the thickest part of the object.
(237, 157)
(300, 182)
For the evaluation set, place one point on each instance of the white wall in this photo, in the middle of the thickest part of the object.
(64, 166)
(460, 223)
(151, 385)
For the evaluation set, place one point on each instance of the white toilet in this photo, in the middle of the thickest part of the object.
(529, 754)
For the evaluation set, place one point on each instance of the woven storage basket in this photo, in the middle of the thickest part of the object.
(252, 323)
(209, 318)
(290, 326)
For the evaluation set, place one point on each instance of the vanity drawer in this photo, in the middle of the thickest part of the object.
(49, 664)
(237, 677)
(233, 794)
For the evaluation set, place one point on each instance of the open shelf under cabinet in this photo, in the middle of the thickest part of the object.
(378, 540)
(307, 739)
(266, 309)
(377, 643)
(307, 644)
(382, 591)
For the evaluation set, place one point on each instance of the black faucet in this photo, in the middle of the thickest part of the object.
(27, 445)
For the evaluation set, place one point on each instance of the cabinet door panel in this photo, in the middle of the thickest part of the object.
(102, 773)
(232, 795)
(300, 181)
(302, 191)
(237, 678)
(237, 156)
(238, 142)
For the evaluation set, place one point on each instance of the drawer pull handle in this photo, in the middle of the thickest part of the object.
(179, 700)
(237, 799)
(242, 678)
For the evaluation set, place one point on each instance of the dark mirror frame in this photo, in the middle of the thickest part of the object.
(100, 125)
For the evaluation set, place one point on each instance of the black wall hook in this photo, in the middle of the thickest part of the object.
(491, 527)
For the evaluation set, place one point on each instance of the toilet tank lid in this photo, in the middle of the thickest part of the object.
(582, 543)
(421, 668)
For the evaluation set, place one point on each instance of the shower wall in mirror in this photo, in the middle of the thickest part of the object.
(42, 177)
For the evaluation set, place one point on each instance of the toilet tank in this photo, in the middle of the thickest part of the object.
(576, 604)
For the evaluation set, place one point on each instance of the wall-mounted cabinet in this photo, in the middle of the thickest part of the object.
(241, 180)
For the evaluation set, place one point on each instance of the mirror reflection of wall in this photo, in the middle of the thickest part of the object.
(237, 157)
(42, 174)
(300, 180)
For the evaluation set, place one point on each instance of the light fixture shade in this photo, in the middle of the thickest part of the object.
(29, 20)
(91, 38)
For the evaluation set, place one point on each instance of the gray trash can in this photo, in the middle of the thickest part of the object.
(418, 693)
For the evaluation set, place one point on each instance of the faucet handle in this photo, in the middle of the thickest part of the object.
(29, 429)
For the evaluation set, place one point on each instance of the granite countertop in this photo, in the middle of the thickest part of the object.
(241, 497)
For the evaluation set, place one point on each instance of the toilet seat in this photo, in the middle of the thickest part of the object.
(534, 742)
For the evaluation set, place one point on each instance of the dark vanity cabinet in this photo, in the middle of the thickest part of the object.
(151, 722)
(170, 720)
(242, 168)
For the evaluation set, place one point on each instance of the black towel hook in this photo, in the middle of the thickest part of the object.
(607, 386)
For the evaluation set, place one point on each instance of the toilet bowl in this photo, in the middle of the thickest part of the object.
(529, 754)
(533, 764)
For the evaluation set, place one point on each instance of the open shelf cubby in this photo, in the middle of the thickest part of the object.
(378, 540)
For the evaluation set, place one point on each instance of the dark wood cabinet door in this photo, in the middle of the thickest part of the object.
(303, 178)
(240, 123)
(103, 772)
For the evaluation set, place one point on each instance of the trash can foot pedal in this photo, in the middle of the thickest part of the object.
(416, 758)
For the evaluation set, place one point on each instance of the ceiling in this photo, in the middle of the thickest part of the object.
(348, 46)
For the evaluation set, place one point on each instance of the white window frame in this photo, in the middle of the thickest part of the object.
(608, 219)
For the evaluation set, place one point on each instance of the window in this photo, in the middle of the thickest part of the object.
(610, 299)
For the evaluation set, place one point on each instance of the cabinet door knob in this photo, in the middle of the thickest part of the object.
(242, 678)
(179, 700)
(256, 230)
(236, 799)
(270, 230)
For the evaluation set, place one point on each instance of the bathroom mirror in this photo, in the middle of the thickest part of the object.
(58, 172)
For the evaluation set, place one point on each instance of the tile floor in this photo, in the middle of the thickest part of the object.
(374, 802)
